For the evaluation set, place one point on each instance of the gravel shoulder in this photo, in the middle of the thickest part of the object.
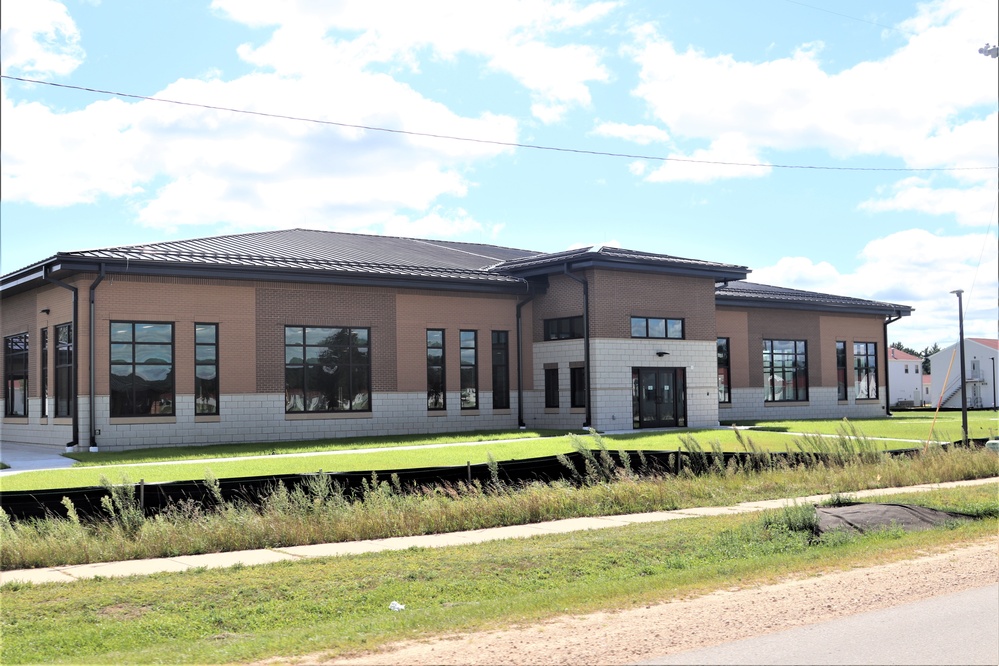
(629, 636)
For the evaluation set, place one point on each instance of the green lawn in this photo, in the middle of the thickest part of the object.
(339, 605)
(904, 430)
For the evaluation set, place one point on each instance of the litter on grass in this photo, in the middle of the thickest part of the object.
(396, 606)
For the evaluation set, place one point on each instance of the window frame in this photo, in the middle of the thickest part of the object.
(65, 351)
(437, 372)
(797, 371)
(669, 325)
(16, 349)
(841, 390)
(577, 386)
(865, 364)
(352, 368)
(43, 371)
(468, 368)
(551, 388)
(501, 369)
(724, 371)
(564, 328)
(199, 364)
(164, 407)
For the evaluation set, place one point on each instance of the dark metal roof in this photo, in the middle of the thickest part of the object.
(603, 256)
(751, 294)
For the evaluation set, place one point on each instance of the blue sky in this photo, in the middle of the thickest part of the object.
(720, 93)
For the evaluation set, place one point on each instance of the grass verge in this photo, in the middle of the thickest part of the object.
(339, 605)
(322, 513)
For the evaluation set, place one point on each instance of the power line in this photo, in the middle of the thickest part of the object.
(507, 144)
(852, 18)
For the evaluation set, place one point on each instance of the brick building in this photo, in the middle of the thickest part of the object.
(305, 334)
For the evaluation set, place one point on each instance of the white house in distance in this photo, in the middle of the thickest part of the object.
(905, 378)
(980, 374)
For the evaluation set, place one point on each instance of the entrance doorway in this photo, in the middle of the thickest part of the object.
(659, 397)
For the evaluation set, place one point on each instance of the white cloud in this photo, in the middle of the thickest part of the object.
(923, 104)
(973, 206)
(640, 134)
(916, 268)
(515, 38)
(38, 38)
(705, 165)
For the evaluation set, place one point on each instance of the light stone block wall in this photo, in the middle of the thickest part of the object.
(748, 405)
(611, 361)
(49, 431)
(261, 418)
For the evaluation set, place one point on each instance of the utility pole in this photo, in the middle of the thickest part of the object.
(964, 381)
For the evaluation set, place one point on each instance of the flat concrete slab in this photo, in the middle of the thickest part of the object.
(245, 557)
(35, 576)
(27, 457)
(124, 568)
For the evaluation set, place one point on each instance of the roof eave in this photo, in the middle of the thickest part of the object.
(884, 310)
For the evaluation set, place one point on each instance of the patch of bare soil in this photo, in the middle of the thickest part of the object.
(629, 636)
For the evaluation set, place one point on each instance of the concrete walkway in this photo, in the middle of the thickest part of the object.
(263, 556)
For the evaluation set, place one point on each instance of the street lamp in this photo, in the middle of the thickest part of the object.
(964, 387)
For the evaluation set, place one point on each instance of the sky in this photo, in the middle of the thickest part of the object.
(847, 147)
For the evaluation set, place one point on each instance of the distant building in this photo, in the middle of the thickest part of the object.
(905, 378)
(980, 374)
(300, 334)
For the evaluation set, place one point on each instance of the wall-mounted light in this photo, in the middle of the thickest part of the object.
(45, 311)
(660, 354)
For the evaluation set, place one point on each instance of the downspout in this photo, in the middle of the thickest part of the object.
(520, 362)
(586, 338)
(74, 404)
(889, 320)
(93, 327)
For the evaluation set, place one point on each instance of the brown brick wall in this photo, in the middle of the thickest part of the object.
(747, 328)
(420, 310)
(617, 296)
(280, 305)
(182, 302)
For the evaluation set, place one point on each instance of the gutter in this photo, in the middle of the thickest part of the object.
(586, 338)
(93, 388)
(74, 403)
(888, 320)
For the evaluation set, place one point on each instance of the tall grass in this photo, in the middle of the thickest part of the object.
(322, 512)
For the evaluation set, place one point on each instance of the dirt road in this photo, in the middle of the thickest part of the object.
(634, 635)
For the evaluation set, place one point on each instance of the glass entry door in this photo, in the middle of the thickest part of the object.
(658, 397)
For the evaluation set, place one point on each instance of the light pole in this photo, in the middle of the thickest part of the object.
(964, 386)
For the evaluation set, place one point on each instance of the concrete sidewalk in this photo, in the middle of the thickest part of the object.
(264, 556)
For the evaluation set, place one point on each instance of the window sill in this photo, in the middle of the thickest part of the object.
(436, 412)
(15, 420)
(141, 420)
(62, 421)
(313, 416)
(470, 412)
(786, 403)
(577, 410)
(552, 410)
(503, 411)
(724, 405)
(208, 418)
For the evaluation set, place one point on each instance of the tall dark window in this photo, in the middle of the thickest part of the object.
(469, 363)
(206, 369)
(654, 327)
(785, 370)
(436, 386)
(841, 370)
(564, 328)
(43, 374)
(865, 367)
(15, 371)
(551, 387)
(327, 369)
(142, 372)
(577, 387)
(724, 372)
(501, 370)
(64, 351)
